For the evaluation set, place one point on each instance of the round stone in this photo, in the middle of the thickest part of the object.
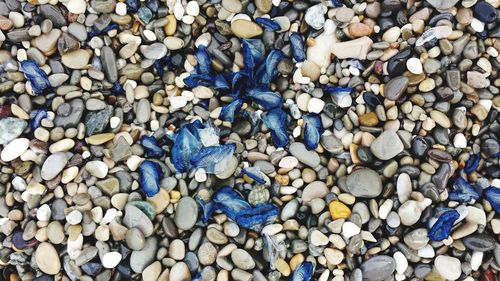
(47, 259)
(186, 213)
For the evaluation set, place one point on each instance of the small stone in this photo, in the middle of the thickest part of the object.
(77, 59)
(378, 268)
(414, 66)
(364, 183)
(387, 145)
(314, 16)
(339, 210)
(186, 213)
(245, 28)
(356, 49)
(111, 259)
(448, 267)
(77, 6)
(180, 272)
(14, 149)
(242, 259)
(47, 259)
(316, 189)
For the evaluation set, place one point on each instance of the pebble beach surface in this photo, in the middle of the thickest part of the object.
(242, 140)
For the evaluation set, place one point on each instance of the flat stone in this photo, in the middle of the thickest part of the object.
(356, 49)
(242, 259)
(448, 267)
(378, 268)
(245, 28)
(364, 183)
(316, 189)
(186, 213)
(307, 157)
(47, 259)
(53, 165)
(134, 217)
(11, 128)
(387, 145)
(396, 87)
(108, 60)
(77, 59)
(14, 149)
(139, 260)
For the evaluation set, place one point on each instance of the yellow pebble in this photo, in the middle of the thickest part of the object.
(100, 138)
(282, 267)
(283, 180)
(296, 260)
(175, 196)
(171, 25)
(339, 210)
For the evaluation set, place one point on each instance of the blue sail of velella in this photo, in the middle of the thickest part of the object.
(276, 121)
(212, 157)
(312, 130)
(267, 99)
(186, 144)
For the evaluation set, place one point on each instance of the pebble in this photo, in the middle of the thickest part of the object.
(387, 145)
(189, 210)
(364, 183)
(47, 259)
(14, 149)
(111, 259)
(448, 267)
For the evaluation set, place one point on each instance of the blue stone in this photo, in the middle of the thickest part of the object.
(255, 174)
(38, 78)
(150, 175)
(267, 99)
(276, 120)
(213, 159)
(484, 12)
(228, 112)
(95, 32)
(267, 71)
(154, 5)
(117, 88)
(441, 229)
(204, 65)
(303, 272)
(268, 24)
(371, 99)
(145, 14)
(463, 191)
(36, 118)
(492, 194)
(312, 130)
(132, 5)
(297, 45)
(472, 164)
(186, 144)
(152, 147)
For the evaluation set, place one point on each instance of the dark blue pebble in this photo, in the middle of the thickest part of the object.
(441, 229)
(463, 191)
(44, 278)
(276, 120)
(297, 45)
(484, 12)
(150, 175)
(492, 194)
(95, 32)
(132, 5)
(337, 3)
(36, 118)
(38, 78)
(92, 268)
(117, 88)
(152, 147)
(312, 130)
(208, 157)
(371, 99)
(396, 65)
(186, 144)
(153, 5)
(268, 24)
(303, 272)
(267, 99)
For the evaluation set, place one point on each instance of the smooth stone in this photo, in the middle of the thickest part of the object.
(111, 259)
(479, 242)
(53, 165)
(11, 128)
(442, 4)
(387, 145)
(314, 16)
(186, 213)
(14, 149)
(307, 157)
(356, 49)
(108, 60)
(77, 59)
(139, 260)
(180, 272)
(364, 183)
(245, 29)
(316, 189)
(378, 268)
(134, 217)
(242, 259)
(154, 51)
(47, 259)
(448, 267)
(396, 87)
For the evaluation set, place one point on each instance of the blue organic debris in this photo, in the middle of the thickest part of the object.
(94, 31)
(338, 90)
(303, 272)
(253, 54)
(492, 194)
(337, 3)
(207, 209)
(441, 229)
(132, 5)
(204, 65)
(463, 191)
(276, 121)
(267, 72)
(268, 24)
(229, 111)
(472, 164)
(255, 174)
(236, 208)
(312, 130)
(186, 144)
(38, 78)
(213, 158)
(150, 175)
(297, 44)
(194, 80)
(152, 147)
(267, 99)
(36, 118)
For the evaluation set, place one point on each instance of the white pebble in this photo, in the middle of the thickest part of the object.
(121, 9)
(77, 6)
(414, 66)
(74, 217)
(349, 229)
(114, 122)
(192, 8)
(43, 213)
(14, 149)
(448, 267)
(459, 141)
(476, 260)
(401, 262)
(111, 259)
(477, 25)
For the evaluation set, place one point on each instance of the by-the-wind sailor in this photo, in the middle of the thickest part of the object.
(463, 191)
(229, 201)
(341, 96)
(268, 24)
(186, 144)
(268, 70)
(36, 118)
(150, 175)
(303, 272)
(207, 208)
(229, 111)
(204, 65)
(441, 229)
(253, 54)
(492, 194)
(297, 45)
(38, 78)
(312, 130)
(213, 159)
(255, 174)
(152, 147)
(276, 121)
(472, 164)
(267, 99)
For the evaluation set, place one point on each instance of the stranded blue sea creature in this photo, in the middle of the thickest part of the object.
(472, 164)
(186, 144)
(38, 78)
(492, 194)
(303, 272)
(229, 111)
(207, 209)
(213, 159)
(229, 201)
(267, 99)
(255, 174)
(276, 121)
(463, 191)
(204, 65)
(441, 229)
(36, 118)
(150, 175)
(312, 130)
(152, 147)
(267, 71)
(253, 54)
(268, 24)
(297, 44)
